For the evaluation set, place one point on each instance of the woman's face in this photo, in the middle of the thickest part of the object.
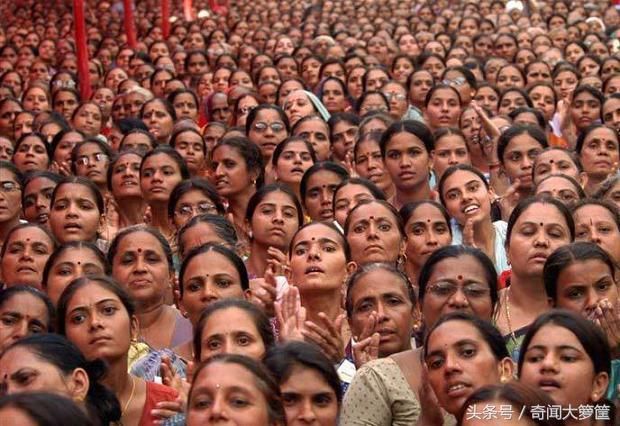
(24, 258)
(319, 195)
(373, 235)
(98, 323)
(317, 133)
(158, 120)
(333, 97)
(383, 297)
(539, 72)
(71, 264)
(544, 100)
(114, 78)
(565, 83)
(158, 177)
(125, 182)
(74, 215)
(246, 104)
(459, 362)
(402, 70)
(435, 66)
(267, 131)
(455, 284)
(293, 162)
(588, 67)
(573, 53)
(347, 198)
(407, 161)
(560, 188)
(37, 198)
(10, 197)
(24, 371)
(275, 221)
(555, 162)
(31, 155)
(373, 103)
(443, 109)
(599, 154)
(539, 230)
(21, 315)
(511, 101)
(35, 100)
(369, 164)
(140, 265)
(583, 285)
(6, 148)
(509, 77)
(199, 234)
(354, 82)
(307, 395)
(450, 150)
(519, 157)
(226, 392)
(231, 331)
(88, 120)
(466, 197)
(310, 72)
(185, 107)
(596, 224)
(193, 203)
(7, 116)
(585, 110)
(230, 173)
(92, 163)
(427, 231)
(192, 148)
(65, 103)
(22, 125)
(297, 106)
(557, 363)
(318, 259)
(209, 277)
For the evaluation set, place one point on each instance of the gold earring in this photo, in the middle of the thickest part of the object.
(79, 398)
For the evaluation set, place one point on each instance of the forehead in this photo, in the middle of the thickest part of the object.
(78, 254)
(139, 240)
(318, 231)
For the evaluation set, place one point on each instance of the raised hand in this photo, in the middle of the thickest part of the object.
(431, 414)
(509, 199)
(366, 347)
(468, 233)
(264, 291)
(291, 315)
(327, 335)
(608, 318)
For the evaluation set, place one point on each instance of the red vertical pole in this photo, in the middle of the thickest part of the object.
(82, 49)
(187, 10)
(165, 17)
(130, 28)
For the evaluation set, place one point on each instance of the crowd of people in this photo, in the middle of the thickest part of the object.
(351, 212)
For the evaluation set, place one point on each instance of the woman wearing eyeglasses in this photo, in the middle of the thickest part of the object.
(266, 126)
(455, 278)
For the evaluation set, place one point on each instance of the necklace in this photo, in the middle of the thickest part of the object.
(507, 302)
(133, 388)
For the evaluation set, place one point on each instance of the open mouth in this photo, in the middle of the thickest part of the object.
(72, 227)
(471, 209)
(314, 270)
(457, 389)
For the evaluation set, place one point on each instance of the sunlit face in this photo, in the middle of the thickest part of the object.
(21, 315)
(158, 177)
(557, 363)
(585, 110)
(519, 158)
(226, 392)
